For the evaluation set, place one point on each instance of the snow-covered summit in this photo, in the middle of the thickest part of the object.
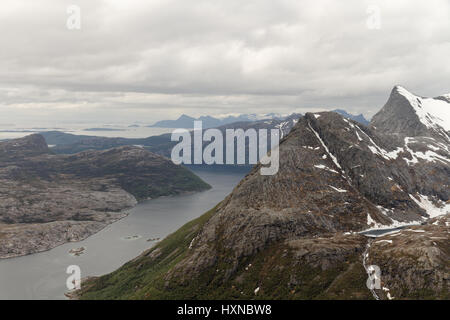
(431, 112)
(408, 115)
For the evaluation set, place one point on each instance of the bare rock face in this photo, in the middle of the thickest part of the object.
(408, 115)
(46, 200)
(397, 117)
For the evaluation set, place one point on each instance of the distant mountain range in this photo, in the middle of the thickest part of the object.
(298, 234)
(358, 118)
(185, 121)
(66, 143)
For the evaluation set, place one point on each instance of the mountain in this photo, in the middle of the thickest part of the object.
(183, 121)
(358, 118)
(409, 115)
(294, 235)
(47, 200)
(66, 143)
(187, 122)
(284, 124)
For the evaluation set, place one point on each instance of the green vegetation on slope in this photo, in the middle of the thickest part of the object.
(142, 277)
(178, 180)
(275, 270)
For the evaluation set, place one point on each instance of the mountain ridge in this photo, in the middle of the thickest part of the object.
(186, 122)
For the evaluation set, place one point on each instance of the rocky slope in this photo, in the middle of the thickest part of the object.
(407, 114)
(292, 235)
(415, 261)
(46, 200)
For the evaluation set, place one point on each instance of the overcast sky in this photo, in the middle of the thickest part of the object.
(151, 60)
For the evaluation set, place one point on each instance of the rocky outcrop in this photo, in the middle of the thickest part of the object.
(29, 146)
(27, 238)
(46, 200)
(414, 262)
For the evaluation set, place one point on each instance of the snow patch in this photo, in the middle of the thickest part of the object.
(429, 155)
(337, 189)
(321, 166)
(414, 230)
(431, 209)
(325, 147)
(381, 241)
(389, 296)
(371, 222)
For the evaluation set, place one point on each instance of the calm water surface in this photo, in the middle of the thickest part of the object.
(43, 275)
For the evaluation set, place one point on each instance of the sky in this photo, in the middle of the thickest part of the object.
(142, 61)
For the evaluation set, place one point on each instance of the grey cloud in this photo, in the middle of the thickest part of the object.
(155, 59)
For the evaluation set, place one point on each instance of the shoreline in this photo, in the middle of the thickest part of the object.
(58, 244)
(121, 215)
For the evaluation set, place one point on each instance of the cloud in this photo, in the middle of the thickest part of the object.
(155, 59)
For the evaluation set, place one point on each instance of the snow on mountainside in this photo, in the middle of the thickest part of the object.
(414, 136)
(431, 111)
(408, 115)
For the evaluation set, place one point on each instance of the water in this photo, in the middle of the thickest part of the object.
(43, 275)
(379, 232)
(118, 130)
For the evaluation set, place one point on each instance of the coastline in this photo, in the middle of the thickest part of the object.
(97, 227)
(86, 230)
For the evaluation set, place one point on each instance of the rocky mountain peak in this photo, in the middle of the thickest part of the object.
(408, 115)
(445, 97)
